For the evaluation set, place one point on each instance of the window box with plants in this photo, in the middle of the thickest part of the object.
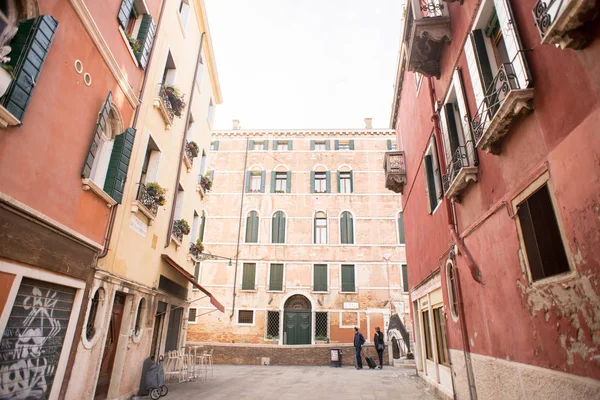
(171, 103)
(196, 248)
(190, 152)
(150, 196)
(206, 183)
(180, 227)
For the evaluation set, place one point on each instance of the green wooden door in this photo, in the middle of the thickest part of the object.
(297, 327)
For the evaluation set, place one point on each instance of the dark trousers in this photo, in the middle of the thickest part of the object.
(358, 357)
(380, 354)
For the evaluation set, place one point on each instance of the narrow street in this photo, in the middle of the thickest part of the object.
(287, 383)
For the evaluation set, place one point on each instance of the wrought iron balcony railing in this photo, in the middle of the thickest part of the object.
(460, 170)
(431, 8)
(503, 101)
(190, 154)
(558, 21)
(395, 171)
(177, 232)
(167, 108)
(148, 199)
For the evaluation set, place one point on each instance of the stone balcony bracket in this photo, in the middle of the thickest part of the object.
(136, 207)
(395, 171)
(517, 103)
(464, 177)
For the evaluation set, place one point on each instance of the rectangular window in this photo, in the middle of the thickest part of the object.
(320, 278)
(272, 325)
(321, 325)
(345, 182)
(192, 315)
(427, 333)
(320, 182)
(249, 277)
(440, 336)
(320, 145)
(405, 278)
(276, 277)
(213, 146)
(344, 145)
(280, 182)
(211, 112)
(545, 250)
(258, 146)
(348, 280)
(245, 317)
(282, 145)
(433, 182)
(255, 182)
(321, 230)
(401, 239)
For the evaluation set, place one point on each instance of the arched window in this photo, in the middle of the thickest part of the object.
(320, 180)
(281, 180)
(452, 289)
(91, 325)
(320, 228)
(255, 180)
(107, 131)
(346, 228)
(252, 227)
(139, 323)
(401, 228)
(278, 228)
(345, 179)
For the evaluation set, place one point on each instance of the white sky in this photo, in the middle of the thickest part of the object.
(295, 64)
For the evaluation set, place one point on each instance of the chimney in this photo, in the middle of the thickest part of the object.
(368, 123)
(236, 124)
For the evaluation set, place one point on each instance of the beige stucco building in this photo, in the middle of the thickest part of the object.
(319, 239)
(140, 291)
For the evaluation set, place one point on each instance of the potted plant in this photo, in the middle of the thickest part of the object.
(280, 191)
(196, 248)
(182, 226)
(194, 148)
(205, 182)
(176, 99)
(157, 192)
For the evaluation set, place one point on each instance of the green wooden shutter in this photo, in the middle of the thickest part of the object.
(350, 227)
(351, 144)
(351, 181)
(290, 145)
(248, 177)
(118, 166)
(344, 228)
(452, 129)
(430, 182)
(405, 278)
(401, 228)
(266, 145)
(320, 278)
(328, 176)
(197, 271)
(216, 145)
(252, 227)
(263, 180)
(389, 144)
(249, 277)
(327, 145)
(250, 144)
(275, 143)
(312, 181)
(312, 144)
(275, 228)
(348, 282)
(483, 62)
(273, 181)
(96, 138)
(212, 176)
(337, 144)
(124, 13)
(288, 182)
(281, 227)
(146, 38)
(29, 49)
(339, 181)
(202, 226)
(276, 277)
(255, 227)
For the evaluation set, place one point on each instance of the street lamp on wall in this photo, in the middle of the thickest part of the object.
(207, 256)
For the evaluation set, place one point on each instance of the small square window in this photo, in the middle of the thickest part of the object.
(192, 315)
(344, 145)
(320, 145)
(245, 317)
(282, 145)
(258, 146)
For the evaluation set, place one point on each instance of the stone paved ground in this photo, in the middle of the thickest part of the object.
(307, 383)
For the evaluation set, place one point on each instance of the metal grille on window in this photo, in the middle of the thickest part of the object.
(90, 329)
(245, 316)
(192, 315)
(321, 325)
(272, 325)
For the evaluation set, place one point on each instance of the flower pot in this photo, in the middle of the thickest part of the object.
(5, 80)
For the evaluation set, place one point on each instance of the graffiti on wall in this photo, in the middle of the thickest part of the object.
(33, 339)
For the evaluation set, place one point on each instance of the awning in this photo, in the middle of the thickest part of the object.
(192, 280)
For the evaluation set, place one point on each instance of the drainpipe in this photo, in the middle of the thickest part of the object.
(113, 211)
(182, 152)
(237, 249)
(452, 225)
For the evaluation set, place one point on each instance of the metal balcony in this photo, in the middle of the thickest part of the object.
(395, 171)
(426, 30)
(558, 21)
(503, 103)
(460, 171)
(148, 201)
(163, 104)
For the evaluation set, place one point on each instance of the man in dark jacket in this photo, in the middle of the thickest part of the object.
(359, 340)
(379, 345)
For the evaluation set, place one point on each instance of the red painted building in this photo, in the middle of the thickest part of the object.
(496, 112)
(70, 79)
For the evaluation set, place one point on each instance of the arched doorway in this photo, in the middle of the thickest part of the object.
(297, 320)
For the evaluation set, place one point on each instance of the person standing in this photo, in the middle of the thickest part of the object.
(359, 340)
(379, 345)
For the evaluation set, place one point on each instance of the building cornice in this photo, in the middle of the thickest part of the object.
(92, 29)
(208, 50)
(303, 132)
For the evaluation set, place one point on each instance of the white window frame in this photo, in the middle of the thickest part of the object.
(268, 285)
(245, 324)
(320, 145)
(283, 185)
(346, 182)
(253, 181)
(195, 321)
(322, 182)
(349, 312)
(255, 277)
(315, 226)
